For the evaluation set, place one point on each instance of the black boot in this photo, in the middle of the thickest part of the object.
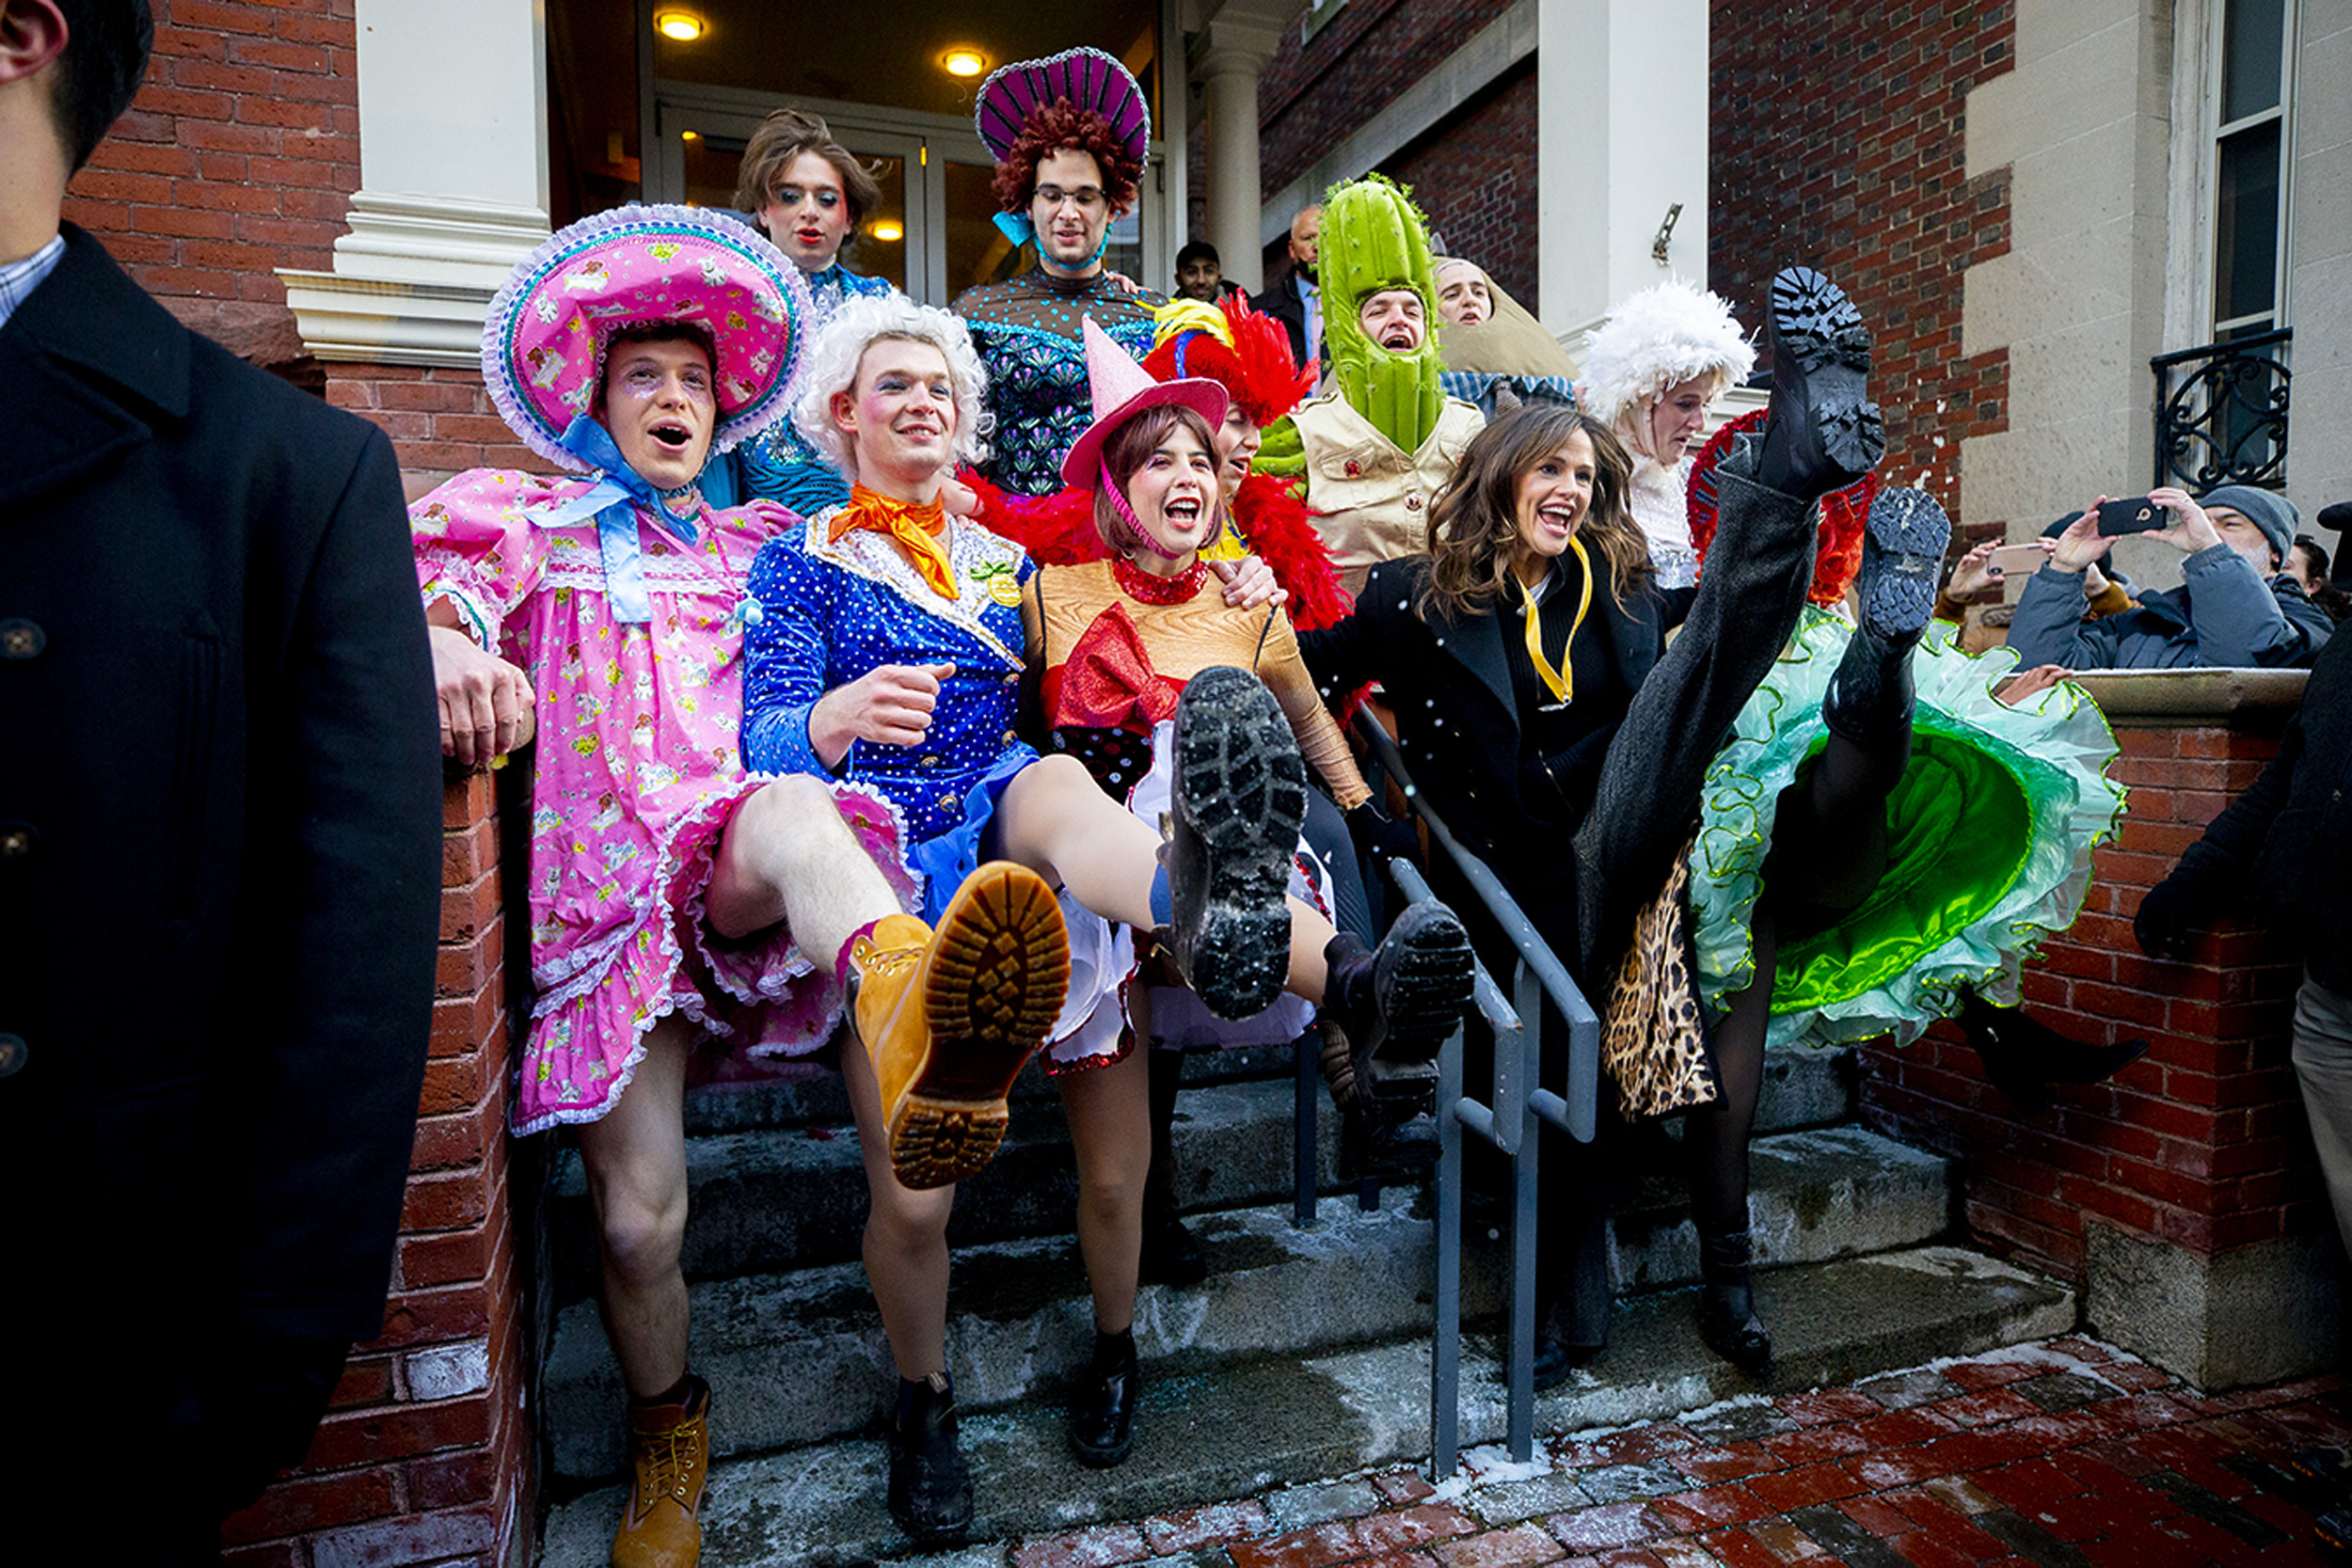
(1387, 1135)
(2022, 1057)
(1397, 1006)
(1103, 1416)
(1821, 431)
(931, 1491)
(1728, 1320)
(1238, 798)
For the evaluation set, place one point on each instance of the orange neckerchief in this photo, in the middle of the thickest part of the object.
(920, 531)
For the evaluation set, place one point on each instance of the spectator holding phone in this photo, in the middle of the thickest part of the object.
(2233, 609)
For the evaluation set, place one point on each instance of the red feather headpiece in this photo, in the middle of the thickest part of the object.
(1843, 515)
(1255, 369)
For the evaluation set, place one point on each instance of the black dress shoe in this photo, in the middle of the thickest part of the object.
(1172, 1254)
(1822, 432)
(1103, 1417)
(931, 1491)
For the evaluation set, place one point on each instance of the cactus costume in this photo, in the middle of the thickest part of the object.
(1373, 455)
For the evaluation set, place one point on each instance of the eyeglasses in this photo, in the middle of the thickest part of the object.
(1087, 198)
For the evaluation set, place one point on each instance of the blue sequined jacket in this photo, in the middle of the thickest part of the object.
(1026, 329)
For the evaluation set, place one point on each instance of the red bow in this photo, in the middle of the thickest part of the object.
(1109, 682)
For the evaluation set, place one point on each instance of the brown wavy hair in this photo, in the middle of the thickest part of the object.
(782, 136)
(1057, 126)
(1474, 522)
(1124, 452)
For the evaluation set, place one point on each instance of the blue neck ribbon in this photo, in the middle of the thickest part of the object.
(613, 501)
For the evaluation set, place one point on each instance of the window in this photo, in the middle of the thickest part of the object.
(2249, 149)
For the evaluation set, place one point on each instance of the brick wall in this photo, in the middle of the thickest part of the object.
(426, 1454)
(2202, 1143)
(440, 420)
(1474, 175)
(1836, 139)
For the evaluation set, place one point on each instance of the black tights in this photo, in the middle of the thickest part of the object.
(1820, 869)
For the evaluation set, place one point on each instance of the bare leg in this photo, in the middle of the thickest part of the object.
(1055, 819)
(788, 855)
(1110, 1110)
(906, 1237)
(636, 1161)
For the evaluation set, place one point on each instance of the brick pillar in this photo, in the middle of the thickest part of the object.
(425, 1455)
(2182, 1198)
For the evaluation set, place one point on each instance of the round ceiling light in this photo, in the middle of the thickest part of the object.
(684, 26)
(888, 231)
(963, 62)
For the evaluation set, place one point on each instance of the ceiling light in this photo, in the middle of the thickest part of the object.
(888, 231)
(963, 62)
(690, 135)
(685, 26)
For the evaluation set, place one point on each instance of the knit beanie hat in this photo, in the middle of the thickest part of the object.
(2266, 510)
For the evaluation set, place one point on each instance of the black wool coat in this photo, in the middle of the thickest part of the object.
(220, 843)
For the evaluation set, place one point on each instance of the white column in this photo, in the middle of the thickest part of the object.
(453, 181)
(1621, 135)
(1229, 57)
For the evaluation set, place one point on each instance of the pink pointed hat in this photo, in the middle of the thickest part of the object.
(1122, 389)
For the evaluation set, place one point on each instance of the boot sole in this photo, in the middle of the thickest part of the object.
(1239, 798)
(1902, 562)
(1814, 320)
(993, 982)
(1420, 988)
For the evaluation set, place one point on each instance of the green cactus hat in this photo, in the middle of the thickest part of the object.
(1372, 238)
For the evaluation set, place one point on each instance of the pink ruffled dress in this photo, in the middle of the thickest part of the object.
(636, 773)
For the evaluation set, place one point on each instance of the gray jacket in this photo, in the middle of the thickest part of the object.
(2222, 616)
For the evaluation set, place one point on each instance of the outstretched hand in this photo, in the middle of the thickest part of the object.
(2082, 543)
(486, 702)
(890, 705)
(2191, 530)
(1248, 583)
(2032, 682)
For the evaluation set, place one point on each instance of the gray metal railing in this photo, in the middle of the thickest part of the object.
(2222, 412)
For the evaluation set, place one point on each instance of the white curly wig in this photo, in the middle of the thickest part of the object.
(832, 360)
(1659, 338)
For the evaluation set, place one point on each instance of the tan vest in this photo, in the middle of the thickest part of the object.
(1373, 495)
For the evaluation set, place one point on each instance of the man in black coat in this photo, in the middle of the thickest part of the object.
(2287, 842)
(220, 863)
(1295, 301)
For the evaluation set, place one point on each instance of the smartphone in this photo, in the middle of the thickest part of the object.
(2132, 514)
(2020, 559)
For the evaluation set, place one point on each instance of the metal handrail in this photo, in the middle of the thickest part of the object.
(1508, 1122)
(2230, 402)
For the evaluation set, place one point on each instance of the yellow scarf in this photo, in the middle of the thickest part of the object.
(1561, 682)
(921, 532)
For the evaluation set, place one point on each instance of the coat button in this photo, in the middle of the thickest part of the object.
(22, 638)
(12, 1054)
(17, 840)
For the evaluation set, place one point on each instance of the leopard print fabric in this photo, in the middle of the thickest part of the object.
(1653, 1046)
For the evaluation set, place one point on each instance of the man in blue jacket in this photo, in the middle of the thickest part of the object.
(2232, 610)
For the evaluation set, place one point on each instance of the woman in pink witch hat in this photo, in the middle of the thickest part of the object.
(1118, 640)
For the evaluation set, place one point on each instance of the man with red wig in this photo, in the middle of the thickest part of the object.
(1068, 134)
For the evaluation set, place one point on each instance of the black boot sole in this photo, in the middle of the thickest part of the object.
(1902, 562)
(1822, 354)
(1421, 982)
(1238, 798)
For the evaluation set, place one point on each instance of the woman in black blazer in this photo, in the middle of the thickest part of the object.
(1545, 721)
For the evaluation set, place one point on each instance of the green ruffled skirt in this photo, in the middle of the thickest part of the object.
(1989, 842)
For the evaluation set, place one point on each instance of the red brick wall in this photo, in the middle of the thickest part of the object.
(1835, 140)
(238, 157)
(440, 420)
(1474, 175)
(426, 1454)
(2202, 1143)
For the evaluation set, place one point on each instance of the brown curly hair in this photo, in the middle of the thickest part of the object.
(1474, 522)
(1057, 126)
(782, 136)
(1124, 453)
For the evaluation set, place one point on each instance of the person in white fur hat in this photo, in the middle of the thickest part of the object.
(1651, 370)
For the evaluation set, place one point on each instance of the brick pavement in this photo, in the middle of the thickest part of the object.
(2063, 1454)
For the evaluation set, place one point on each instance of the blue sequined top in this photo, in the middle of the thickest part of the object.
(778, 464)
(831, 612)
(1027, 330)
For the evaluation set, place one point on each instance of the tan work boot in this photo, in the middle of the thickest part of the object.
(669, 1455)
(948, 1016)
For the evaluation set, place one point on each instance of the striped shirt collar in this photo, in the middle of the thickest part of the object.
(18, 280)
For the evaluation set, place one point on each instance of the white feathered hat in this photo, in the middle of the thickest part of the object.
(1657, 339)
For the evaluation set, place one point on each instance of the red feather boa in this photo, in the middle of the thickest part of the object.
(1843, 515)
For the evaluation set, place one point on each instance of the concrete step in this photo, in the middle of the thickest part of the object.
(800, 1357)
(774, 1196)
(1274, 1420)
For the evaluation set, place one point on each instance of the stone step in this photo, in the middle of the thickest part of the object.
(767, 1197)
(800, 1357)
(1273, 1421)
